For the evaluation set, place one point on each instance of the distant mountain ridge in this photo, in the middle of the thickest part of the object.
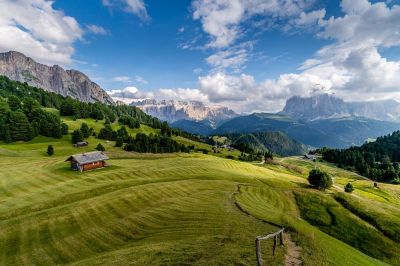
(325, 106)
(173, 111)
(17, 66)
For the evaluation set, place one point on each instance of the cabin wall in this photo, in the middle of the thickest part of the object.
(95, 165)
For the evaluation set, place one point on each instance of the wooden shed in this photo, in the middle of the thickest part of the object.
(88, 161)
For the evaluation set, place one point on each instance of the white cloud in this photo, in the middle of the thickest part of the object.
(353, 62)
(97, 29)
(128, 94)
(226, 22)
(127, 79)
(34, 28)
(141, 80)
(122, 79)
(136, 7)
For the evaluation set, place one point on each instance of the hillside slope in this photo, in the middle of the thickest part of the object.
(336, 133)
(169, 209)
(275, 142)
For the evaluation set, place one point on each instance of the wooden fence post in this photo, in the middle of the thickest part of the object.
(258, 252)
(258, 244)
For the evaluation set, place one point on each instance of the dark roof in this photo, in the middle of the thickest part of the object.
(88, 157)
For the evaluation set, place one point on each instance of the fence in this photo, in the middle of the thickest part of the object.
(258, 243)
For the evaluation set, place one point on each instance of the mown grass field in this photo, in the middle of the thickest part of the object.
(183, 209)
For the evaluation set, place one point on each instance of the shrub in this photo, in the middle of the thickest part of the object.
(50, 150)
(85, 130)
(230, 157)
(205, 151)
(319, 179)
(77, 136)
(100, 147)
(348, 188)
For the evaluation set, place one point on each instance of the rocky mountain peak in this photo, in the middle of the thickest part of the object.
(19, 67)
(325, 106)
(172, 111)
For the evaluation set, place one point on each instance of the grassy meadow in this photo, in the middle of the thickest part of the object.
(184, 209)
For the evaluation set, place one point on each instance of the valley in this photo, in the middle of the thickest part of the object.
(175, 209)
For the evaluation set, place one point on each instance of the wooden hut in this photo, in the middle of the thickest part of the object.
(88, 161)
(81, 144)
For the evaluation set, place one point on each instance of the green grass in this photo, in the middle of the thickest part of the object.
(181, 209)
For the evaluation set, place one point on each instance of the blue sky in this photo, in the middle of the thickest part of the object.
(250, 55)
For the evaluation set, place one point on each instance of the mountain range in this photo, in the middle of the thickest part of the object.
(318, 121)
(173, 111)
(19, 67)
(325, 106)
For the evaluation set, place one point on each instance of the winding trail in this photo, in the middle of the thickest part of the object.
(293, 252)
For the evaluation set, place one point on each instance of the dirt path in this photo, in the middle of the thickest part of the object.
(293, 252)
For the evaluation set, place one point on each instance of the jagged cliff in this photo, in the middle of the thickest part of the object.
(326, 106)
(172, 111)
(17, 66)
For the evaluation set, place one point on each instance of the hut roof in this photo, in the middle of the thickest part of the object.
(88, 157)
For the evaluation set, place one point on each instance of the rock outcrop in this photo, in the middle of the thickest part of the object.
(172, 111)
(326, 106)
(19, 67)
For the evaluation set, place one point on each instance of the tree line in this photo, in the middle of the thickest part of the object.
(378, 160)
(22, 115)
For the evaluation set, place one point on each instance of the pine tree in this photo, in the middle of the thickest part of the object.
(20, 128)
(85, 130)
(77, 136)
(100, 147)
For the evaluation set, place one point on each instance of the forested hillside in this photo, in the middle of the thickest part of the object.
(275, 142)
(25, 113)
(378, 160)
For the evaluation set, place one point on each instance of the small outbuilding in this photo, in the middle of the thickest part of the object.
(88, 161)
(81, 144)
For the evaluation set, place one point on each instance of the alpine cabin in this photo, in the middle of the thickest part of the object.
(88, 161)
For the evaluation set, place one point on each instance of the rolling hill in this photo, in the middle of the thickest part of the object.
(175, 209)
(180, 208)
(275, 142)
(336, 133)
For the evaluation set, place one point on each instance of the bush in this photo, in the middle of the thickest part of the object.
(100, 147)
(77, 136)
(230, 157)
(319, 179)
(85, 130)
(348, 188)
(64, 129)
(50, 150)
(205, 151)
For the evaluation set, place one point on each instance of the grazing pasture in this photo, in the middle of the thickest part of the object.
(182, 209)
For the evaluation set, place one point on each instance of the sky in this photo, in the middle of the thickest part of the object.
(248, 55)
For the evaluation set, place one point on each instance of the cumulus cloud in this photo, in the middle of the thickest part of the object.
(34, 28)
(136, 7)
(226, 22)
(353, 62)
(128, 94)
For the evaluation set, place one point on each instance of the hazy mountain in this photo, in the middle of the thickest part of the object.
(172, 111)
(326, 106)
(17, 66)
(335, 132)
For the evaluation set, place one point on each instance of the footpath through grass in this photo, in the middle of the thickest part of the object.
(174, 209)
